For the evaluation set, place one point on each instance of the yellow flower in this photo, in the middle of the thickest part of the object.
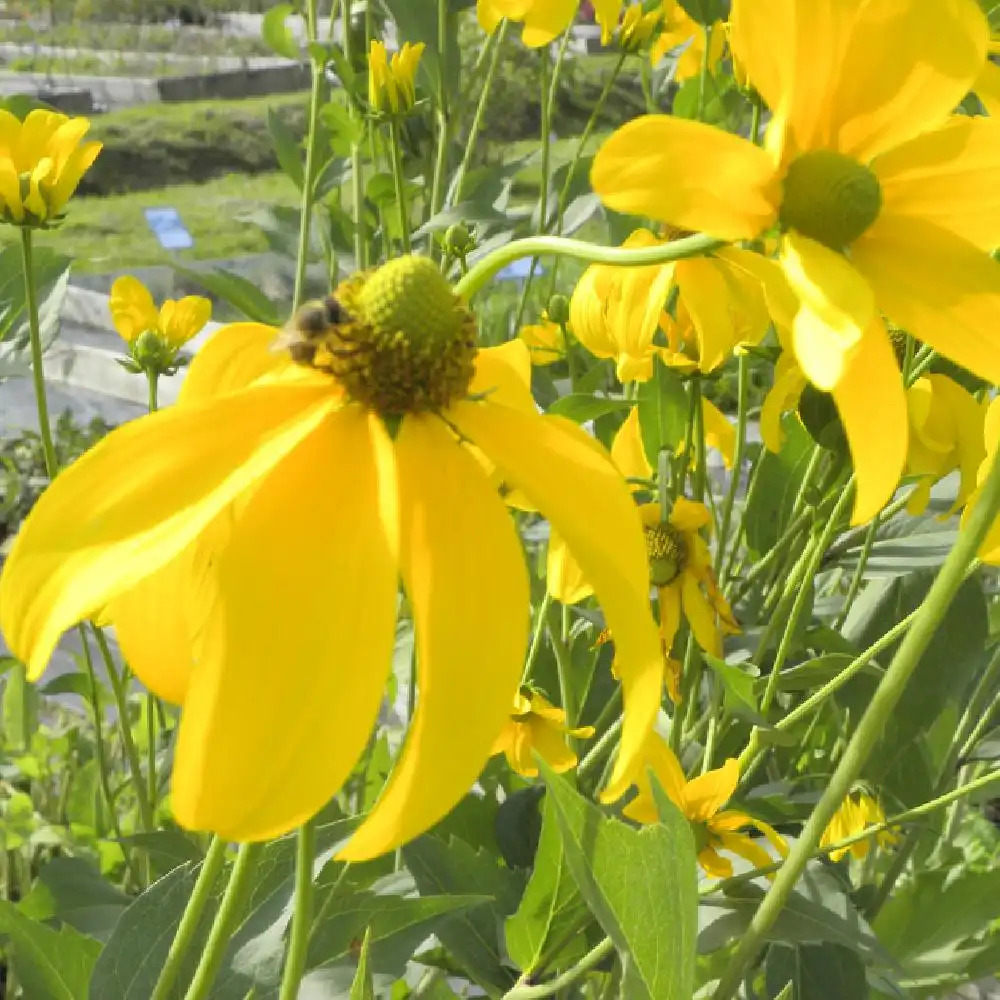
(544, 20)
(701, 800)
(175, 322)
(987, 85)
(637, 28)
(391, 86)
(856, 812)
(537, 726)
(946, 433)
(989, 551)
(545, 341)
(284, 500)
(681, 31)
(41, 163)
(885, 201)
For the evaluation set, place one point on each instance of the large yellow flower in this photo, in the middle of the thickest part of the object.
(270, 515)
(391, 82)
(886, 203)
(41, 163)
(701, 800)
(134, 313)
(544, 20)
(857, 812)
(537, 726)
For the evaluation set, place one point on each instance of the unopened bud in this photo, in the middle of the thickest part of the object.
(558, 309)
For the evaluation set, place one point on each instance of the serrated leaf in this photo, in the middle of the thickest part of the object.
(641, 885)
(551, 901)
(275, 31)
(238, 292)
(581, 407)
(52, 964)
(286, 146)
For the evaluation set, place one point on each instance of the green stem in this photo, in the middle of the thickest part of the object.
(857, 579)
(763, 565)
(870, 728)
(200, 895)
(703, 74)
(596, 753)
(357, 175)
(295, 961)
(226, 921)
(595, 956)
(119, 687)
(37, 371)
(564, 669)
(152, 396)
(312, 151)
(441, 110)
(536, 637)
(742, 402)
(698, 441)
(559, 246)
(399, 181)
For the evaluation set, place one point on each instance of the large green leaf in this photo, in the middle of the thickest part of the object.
(454, 868)
(50, 965)
(814, 972)
(663, 412)
(582, 406)
(641, 885)
(551, 903)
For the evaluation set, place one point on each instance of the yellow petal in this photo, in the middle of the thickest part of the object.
(235, 355)
(489, 14)
(720, 434)
(132, 308)
(464, 574)
(835, 306)
(627, 451)
(686, 515)
(689, 175)
(948, 177)
(503, 374)
(134, 501)
(547, 460)
(987, 87)
(564, 579)
(293, 639)
(747, 848)
(78, 163)
(705, 795)
(186, 318)
(546, 20)
(670, 613)
(937, 287)
(10, 190)
(550, 744)
(872, 406)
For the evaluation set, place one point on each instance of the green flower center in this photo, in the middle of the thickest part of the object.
(830, 198)
(667, 553)
(399, 340)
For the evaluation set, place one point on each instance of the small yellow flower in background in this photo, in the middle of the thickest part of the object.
(545, 341)
(946, 433)
(857, 812)
(42, 160)
(391, 86)
(701, 800)
(637, 29)
(989, 551)
(682, 32)
(134, 313)
(545, 20)
(269, 472)
(537, 726)
(885, 200)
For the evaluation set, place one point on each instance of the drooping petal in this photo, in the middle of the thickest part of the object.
(907, 67)
(700, 615)
(627, 451)
(686, 515)
(669, 598)
(720, 434)
(464, 573)
(186, 318)
(135, 500)
(747, 848)
(835, 307)
(547, 19)
(132, 308)
(705, 795)
(78, 163)
(303, 633)
(689, 175)
(546, 458)
(789, 381)
(233, 357)
(504, 374)
(937, 287)
(948, 177)
(564, 579)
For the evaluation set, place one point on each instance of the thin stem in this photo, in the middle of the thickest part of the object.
(564, 669)
(742, 400)
(595, 956)
(559, 246)
(778, 550)
(870, 728)
(536, 638)
(858, 577)
(698, 440)
(200, 895)
(703, 74)
(37, 372)
(295, 961)
(399, 181)
(152, 396)
(226, 921)
(357, 176)
(312, 151)
(596, 753)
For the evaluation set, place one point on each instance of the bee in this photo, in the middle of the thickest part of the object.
(305, 332)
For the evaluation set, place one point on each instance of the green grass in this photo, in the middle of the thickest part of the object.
(110, 233)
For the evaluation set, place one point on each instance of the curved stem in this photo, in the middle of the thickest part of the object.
(559, 246)
(200, 895)
(870, 729)
(295, 961)
(226, 921)
(595, 956)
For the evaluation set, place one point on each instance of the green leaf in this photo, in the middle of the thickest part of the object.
(641, 885)
(165, 848)
(73, 891)
(54, 965)
(581, 407)
(705, 11)
(71, 683)
(362, 987)
(286, 146)
(238, 292)
(417, 21)
(663, 412)
(453, 868)
(814, 972)
(20, 709)
(551, 902)
(276, 34)
(738, 688)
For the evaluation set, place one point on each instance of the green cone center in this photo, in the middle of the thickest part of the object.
(667, 552)
(830, 198)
